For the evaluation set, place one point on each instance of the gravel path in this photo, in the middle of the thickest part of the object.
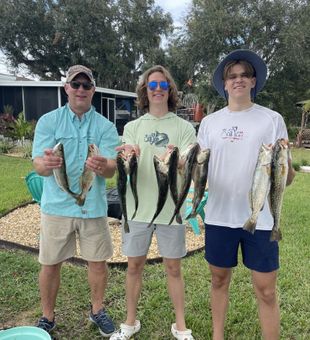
(23, 224)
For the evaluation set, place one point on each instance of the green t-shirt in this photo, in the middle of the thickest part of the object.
(153, 134)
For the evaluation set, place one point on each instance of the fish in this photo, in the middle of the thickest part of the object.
(126, 165)
(279, 171)
(60, 174)
(133, 177)
(173, 178)
(199, 176)
(260, 186)
(88, 176)
(190, 156)
(161, 170)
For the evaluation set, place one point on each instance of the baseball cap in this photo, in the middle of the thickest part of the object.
(77, 69)
(251, 57)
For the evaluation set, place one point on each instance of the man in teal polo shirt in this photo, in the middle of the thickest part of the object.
(76, 125)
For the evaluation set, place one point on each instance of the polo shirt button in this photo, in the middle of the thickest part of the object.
(84, 211)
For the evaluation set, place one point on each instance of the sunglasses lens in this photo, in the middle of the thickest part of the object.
(76, 85)
(87, 86)
(164, 85)
(152, 85)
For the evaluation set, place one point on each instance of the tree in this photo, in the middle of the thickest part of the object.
(278, 30)
(112, 37)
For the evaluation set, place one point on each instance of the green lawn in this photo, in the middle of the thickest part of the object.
(20, 303)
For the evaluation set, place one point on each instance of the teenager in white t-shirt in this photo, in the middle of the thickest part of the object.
(234, 135)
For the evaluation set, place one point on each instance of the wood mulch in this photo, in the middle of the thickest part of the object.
(22, 226)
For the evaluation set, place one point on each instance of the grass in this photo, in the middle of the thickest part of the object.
(20, 303)
(13, 171)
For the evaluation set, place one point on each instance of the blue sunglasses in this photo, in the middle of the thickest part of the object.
(152, 85)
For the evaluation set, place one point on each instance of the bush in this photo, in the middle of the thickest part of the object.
(292, 132)
(6, 121)
(304, 162)
(22, 129)
(6, 146)
(296, 166)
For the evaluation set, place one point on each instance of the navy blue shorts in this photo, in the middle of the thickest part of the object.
(258, 252)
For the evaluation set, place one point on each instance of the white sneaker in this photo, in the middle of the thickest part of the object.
(181, 335)
(126, 332)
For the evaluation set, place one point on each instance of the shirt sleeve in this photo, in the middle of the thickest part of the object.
(281, 130)
(128, 135)
(44, 136)
(109, 141)
(202, 137)
(188, 137)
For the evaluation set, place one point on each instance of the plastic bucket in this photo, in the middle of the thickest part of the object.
(24, 333)
(35, 185)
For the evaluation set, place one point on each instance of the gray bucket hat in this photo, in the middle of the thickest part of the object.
(256, 61)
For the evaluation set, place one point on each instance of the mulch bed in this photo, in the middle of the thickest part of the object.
(19, 229)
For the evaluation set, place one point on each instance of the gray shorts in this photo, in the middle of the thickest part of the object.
(170, 240)
(58, 237)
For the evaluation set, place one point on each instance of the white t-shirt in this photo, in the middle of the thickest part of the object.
(234, 139)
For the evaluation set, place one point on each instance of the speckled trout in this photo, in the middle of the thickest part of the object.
(165, 170)
(88, 176)
(60, 174)
(127, 165)
(199, 176)
(260, 186)
(279, 171)
(190, 156)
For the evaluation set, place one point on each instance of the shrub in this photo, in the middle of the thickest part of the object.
(292, 132)
(22, 129)
(304, 162)
(6, 146)
(296, 166)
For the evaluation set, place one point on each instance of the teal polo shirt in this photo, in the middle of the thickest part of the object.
(62, 125)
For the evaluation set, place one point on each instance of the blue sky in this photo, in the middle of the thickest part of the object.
(177, 8)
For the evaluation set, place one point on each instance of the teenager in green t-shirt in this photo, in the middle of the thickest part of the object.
(153, 134)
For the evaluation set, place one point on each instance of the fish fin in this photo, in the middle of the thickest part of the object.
(250, 225)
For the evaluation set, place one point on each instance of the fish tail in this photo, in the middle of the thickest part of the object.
(276, 235)
(80, 200)
(250, 225)
(134, 215)
(126, 227)
(172, 218)
(179, 218)
(191, 215)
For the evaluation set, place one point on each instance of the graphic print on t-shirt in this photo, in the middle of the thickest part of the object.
(232, 134)
(157, 138)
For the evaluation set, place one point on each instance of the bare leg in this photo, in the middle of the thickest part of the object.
(176, 290)
(49, 282)
(220, 280)
(133, 286)
(97, 279)
(268, 307)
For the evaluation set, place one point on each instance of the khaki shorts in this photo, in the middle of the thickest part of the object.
(58, 236)
(170, 240)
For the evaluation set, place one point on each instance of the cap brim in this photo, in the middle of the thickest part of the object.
(249, 56)
(72, 76)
